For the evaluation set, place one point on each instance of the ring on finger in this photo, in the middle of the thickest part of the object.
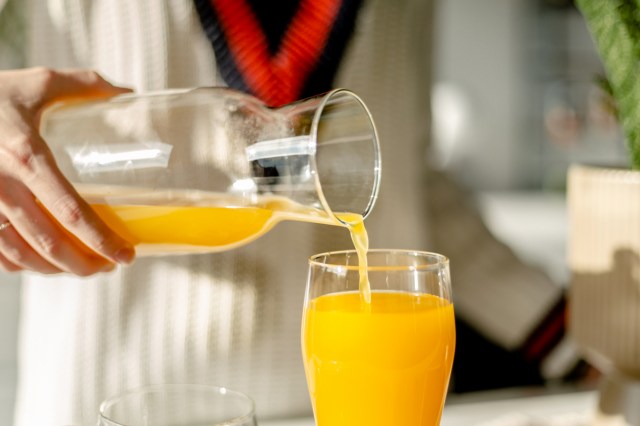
(4, 225)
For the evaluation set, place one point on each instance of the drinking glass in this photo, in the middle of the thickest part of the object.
(178, 405)
(386, 362)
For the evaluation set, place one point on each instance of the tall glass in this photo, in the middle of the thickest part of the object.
(383, 363)
(183, 405)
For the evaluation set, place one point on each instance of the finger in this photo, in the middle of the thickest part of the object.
(18, 253)
(63, 202)
(45, 235)
(53, 85)
(73, 83)
(36, 168)
(7, 266)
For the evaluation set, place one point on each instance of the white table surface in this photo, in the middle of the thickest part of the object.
(567, 409)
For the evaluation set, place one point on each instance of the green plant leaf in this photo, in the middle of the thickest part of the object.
(615, 27)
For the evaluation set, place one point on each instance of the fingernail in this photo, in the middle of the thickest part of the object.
(108, 268)
(125, 255)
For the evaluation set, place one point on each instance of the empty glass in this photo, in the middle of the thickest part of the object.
(178, 405)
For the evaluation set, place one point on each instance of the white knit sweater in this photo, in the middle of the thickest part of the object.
(231, 319)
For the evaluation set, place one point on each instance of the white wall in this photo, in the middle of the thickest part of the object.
(479, 52)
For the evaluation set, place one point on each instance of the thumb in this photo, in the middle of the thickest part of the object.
(69, 84)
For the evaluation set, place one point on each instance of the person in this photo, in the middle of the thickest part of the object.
(95, 322)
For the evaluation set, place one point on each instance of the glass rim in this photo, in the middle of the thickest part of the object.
(149, 389)
(376, 147)
(439, 262)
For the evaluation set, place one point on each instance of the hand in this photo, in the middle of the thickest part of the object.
(45, 226)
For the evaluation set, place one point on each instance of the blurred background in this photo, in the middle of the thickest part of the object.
(515, 101)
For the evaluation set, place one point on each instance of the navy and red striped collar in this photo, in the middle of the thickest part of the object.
(280, 53)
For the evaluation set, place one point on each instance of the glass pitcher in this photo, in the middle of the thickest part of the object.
(209, 169)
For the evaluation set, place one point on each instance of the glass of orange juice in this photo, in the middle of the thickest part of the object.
(386, 361)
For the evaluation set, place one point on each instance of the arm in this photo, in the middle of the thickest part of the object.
(45, 225)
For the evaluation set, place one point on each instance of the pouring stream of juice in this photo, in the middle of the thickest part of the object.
(360, 240)
(160, 222)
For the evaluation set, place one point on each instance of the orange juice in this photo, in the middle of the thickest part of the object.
(360, 240)
(185, 228)
(161, 222)
(387, 363)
